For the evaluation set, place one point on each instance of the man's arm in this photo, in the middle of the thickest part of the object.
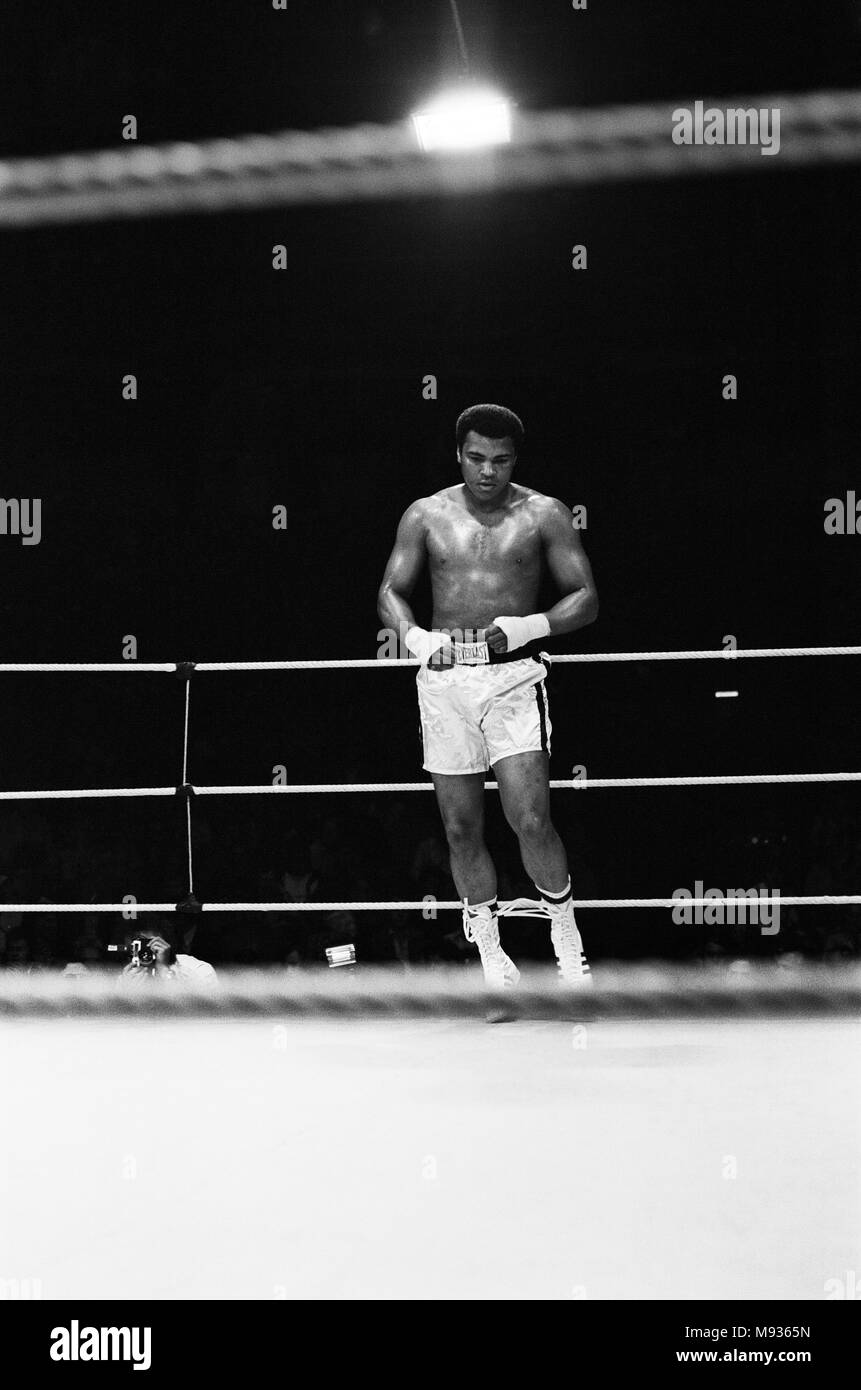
(402, 571)
(570, 568)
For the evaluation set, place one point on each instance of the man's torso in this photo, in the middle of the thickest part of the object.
(483, 564)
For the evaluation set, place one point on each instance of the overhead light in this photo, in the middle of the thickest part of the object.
(464, 118)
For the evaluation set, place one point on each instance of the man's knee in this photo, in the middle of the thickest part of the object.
(532, 825)
(463, 834)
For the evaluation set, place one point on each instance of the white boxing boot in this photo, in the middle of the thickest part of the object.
(567, 944)
(481, 928)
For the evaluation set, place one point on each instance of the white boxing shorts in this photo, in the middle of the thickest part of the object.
(474, 715)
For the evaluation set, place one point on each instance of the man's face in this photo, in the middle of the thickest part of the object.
(143, 934)
(486, 465)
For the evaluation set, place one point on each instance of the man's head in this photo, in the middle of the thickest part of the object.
(488, 439)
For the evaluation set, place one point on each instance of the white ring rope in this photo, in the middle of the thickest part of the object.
(528, 908)
(745, 779)
(385, 992)
(185, 733)
(87, 793)
(556, 784)
(189, 848)
(385, 664)
(368, 663)
(708, 654)
(321, 788)
(550, 148)
(56, 667)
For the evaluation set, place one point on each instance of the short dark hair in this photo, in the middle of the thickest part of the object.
(492, 421)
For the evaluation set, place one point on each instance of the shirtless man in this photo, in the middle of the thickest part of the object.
(481, 678)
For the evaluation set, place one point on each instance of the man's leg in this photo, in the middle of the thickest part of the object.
(461, 806)
(524, 788)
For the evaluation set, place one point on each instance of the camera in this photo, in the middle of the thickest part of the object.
(137, 953)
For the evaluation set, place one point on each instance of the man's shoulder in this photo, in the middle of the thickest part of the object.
(424, 509)
(540, 504)
(446, 497)
(536, 499)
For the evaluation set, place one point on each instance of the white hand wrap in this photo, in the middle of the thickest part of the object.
(519, 631)
(423, 644)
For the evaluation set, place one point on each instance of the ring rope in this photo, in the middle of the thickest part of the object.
(386, 663)
(188, 842)
(616, 994)
(319, 788)
(556, 784)
(709, 654)
(589, 145)
(87, 793)
(168, 668)
(532, 909)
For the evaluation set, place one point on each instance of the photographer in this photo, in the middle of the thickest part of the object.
(153, 957)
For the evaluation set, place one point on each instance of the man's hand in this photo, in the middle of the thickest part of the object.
(519, 632)
(428, 646)
(495, 638)
(442, 659)
(160, 949)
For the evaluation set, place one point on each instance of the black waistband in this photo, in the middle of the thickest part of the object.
(531, 649)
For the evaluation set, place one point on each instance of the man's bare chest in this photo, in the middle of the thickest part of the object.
(464, 543)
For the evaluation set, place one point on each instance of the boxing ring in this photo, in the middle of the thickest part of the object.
(363, 1134)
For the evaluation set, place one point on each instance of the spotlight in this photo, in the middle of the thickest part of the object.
(464, 118)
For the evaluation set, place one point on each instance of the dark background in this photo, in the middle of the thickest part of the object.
(303, 388)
